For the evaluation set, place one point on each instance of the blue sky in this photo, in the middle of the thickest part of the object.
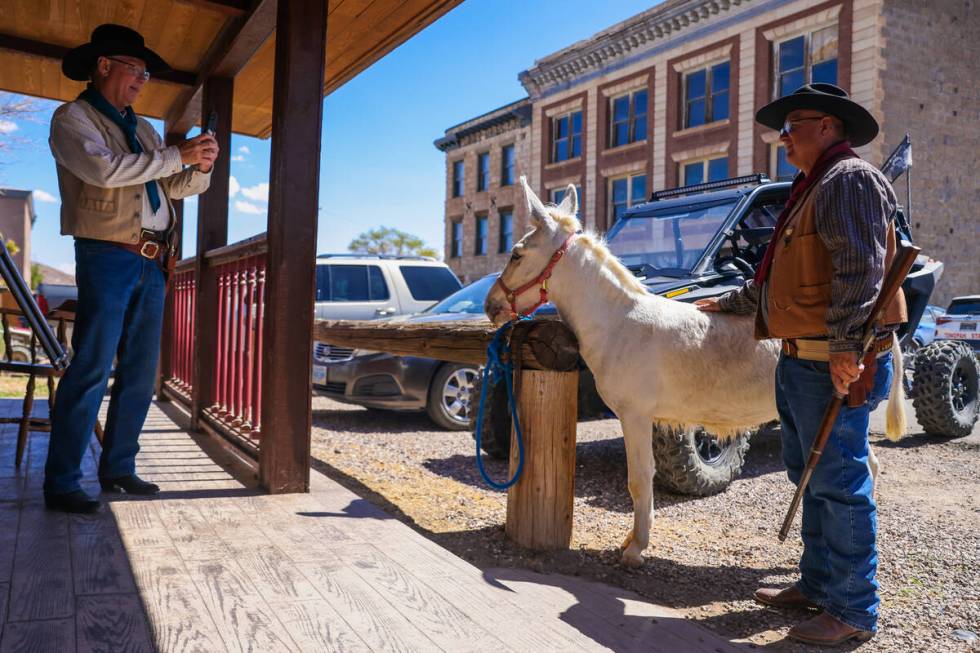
(378, 165)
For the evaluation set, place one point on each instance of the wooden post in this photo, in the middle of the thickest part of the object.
(540, 504)
(165, 369)
(294, 181)
(212, 232)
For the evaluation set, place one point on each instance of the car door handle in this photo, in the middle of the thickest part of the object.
(384, 312)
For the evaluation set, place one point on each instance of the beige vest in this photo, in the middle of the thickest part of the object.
(114, 214)
(798, 288)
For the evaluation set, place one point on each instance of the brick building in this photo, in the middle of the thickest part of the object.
(668, 98)
(16, 221)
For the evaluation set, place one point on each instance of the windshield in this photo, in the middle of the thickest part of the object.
(429, 283)
(964, 307)
(670, 241)
(467, 300)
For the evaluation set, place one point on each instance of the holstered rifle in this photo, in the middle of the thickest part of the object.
(904, 258)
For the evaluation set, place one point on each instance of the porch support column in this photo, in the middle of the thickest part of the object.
(165, 370)
(212, 232)
(294, 180)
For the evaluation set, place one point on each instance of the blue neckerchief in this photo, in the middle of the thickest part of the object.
(127, 124)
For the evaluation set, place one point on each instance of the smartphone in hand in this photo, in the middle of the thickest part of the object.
(212, 127)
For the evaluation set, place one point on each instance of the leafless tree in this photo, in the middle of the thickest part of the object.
(14, 108)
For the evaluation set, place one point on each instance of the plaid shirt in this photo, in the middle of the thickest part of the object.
(854, 205)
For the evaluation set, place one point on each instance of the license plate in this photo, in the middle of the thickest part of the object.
(320, 374)
(968, 326)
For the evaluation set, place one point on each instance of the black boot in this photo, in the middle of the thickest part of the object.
(77, 501)
(132, 484)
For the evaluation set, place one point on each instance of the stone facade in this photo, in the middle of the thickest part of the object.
(489, 133)
(913, 65)
(930, 87)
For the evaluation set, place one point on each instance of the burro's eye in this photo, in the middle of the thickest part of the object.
(515, 256)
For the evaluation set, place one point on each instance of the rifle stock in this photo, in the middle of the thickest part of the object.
(905, 255)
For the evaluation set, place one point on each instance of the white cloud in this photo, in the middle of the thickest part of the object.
(258, 192)
(238, 157)
(244, 149)
(247, 207)
(7, 126)
(233, 186)
(44, 196)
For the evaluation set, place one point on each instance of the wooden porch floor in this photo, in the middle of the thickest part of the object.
(210, 565)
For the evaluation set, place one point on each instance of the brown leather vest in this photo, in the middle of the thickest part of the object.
(798, 288)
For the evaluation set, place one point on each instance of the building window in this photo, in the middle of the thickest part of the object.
(706, 95)
(698, 172)
(782, 169)
(628, 118)
(507, 165)
(456, 239)
(458, 178)
(506, 230)
(482, 171)
(624, 193)
(481, 235)
(558, 194)
(566, 137)
(806, 59)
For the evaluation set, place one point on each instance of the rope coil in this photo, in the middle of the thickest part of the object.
(499, 365)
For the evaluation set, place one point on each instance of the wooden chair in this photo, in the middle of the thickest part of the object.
(33, 368)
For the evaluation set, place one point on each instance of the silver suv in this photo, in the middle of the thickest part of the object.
(365, 287)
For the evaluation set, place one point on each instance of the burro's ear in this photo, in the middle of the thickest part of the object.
(537, 211)
(569, 203)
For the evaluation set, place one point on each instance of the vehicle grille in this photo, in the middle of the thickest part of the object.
(331, 353)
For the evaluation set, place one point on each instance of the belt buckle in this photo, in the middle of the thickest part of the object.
(156, 249)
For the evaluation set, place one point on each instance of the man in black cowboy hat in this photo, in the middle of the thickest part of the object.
(814, 289)
(116, 180)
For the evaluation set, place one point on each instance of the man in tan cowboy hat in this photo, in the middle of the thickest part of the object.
(116, 180)
(814, 289)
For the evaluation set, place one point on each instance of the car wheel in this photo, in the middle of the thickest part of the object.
(692, 461)
(947, 376)
(450, 403)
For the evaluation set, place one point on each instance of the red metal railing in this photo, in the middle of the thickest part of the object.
(180, 376)
(236, 410)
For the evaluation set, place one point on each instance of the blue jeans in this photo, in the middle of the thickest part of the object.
(840, 559)
(120, 315)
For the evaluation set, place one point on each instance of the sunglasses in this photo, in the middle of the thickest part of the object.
(134, 70)
(790, 125)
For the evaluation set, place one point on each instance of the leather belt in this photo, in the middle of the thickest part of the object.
(151, 245)
(811, 349)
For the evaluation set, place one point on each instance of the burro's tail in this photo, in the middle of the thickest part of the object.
(895, 421)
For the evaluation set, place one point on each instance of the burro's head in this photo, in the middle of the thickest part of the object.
(518, 290)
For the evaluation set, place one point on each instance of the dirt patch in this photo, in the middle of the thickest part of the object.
(707, 555)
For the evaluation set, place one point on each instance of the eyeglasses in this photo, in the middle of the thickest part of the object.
(134, 70)
(790, 125)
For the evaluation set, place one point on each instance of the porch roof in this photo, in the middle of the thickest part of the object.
(198, 38)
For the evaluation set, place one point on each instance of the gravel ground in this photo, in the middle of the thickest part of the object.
(707, 555)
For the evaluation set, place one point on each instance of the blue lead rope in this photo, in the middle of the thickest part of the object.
(498, 348)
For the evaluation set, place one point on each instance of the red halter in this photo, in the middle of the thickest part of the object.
(541, 279)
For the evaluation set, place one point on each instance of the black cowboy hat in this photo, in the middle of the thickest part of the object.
(860, 124)
(108, 40)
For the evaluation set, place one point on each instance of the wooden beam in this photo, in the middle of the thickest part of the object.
(547, 344)
(52, 51)
(239, 40)
(167, 337)
(294, 182)
(228, 7)
(212, 232)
